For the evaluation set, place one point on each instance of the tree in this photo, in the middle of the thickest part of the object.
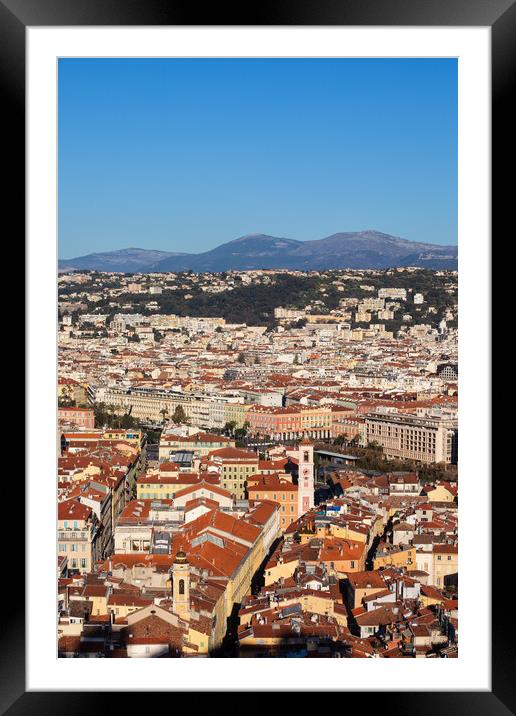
(66, 401)
(179, 416)
(127, 421)
(241, 358)
(164, 413)
(105, 415)
(229, 427)
(241, 433)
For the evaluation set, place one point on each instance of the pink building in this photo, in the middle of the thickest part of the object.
(81, 417)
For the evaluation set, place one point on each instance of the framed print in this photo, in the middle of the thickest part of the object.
(258, 258)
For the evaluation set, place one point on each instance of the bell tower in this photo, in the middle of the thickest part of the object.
(305, 479)
(181, 585)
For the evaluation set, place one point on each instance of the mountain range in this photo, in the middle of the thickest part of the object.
(354, 250)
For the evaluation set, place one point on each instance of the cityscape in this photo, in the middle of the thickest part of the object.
(284, 485)
(257, 433)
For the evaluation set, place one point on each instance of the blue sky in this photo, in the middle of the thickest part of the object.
(186, 154)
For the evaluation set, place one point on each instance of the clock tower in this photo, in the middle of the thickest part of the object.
(305, 479)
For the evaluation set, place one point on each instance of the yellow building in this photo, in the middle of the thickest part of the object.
(442, 493)
(363, 584)
(77, 535)
(132, 436)
(445, 563)
(233, 548)
(235, 412)
(280, 568)
(278, 488)
(199, 443)
(120, 604)
(388, 555)
(354, 532)
(340, 557)
(430, 596)
(236, 467)
(322, 603)
(162, 485)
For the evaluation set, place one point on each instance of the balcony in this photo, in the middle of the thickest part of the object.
(72, 536)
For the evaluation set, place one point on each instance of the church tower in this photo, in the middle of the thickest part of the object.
(305, 480)
(181, 585)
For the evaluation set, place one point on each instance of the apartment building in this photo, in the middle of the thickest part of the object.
(279, 489)
(78, 532)
(162, 485)
(290, 423)
(430, 438)
(199, 443)
(80, 417)
(288, 314)
(440, 561)
(153, 405)
(393, 293)
(235, 466)
(235, 413)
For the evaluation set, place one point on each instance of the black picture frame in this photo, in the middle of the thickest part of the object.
(500, 15)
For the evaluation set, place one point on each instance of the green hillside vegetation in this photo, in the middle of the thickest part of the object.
(254, 304)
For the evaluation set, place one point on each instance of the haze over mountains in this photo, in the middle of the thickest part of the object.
(358, 250)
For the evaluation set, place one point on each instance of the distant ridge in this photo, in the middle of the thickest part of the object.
(123, 260)
(358, 250)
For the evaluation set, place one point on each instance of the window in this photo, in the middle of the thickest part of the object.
(181, 586)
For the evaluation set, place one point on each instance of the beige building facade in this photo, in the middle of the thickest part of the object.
(425, 438)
